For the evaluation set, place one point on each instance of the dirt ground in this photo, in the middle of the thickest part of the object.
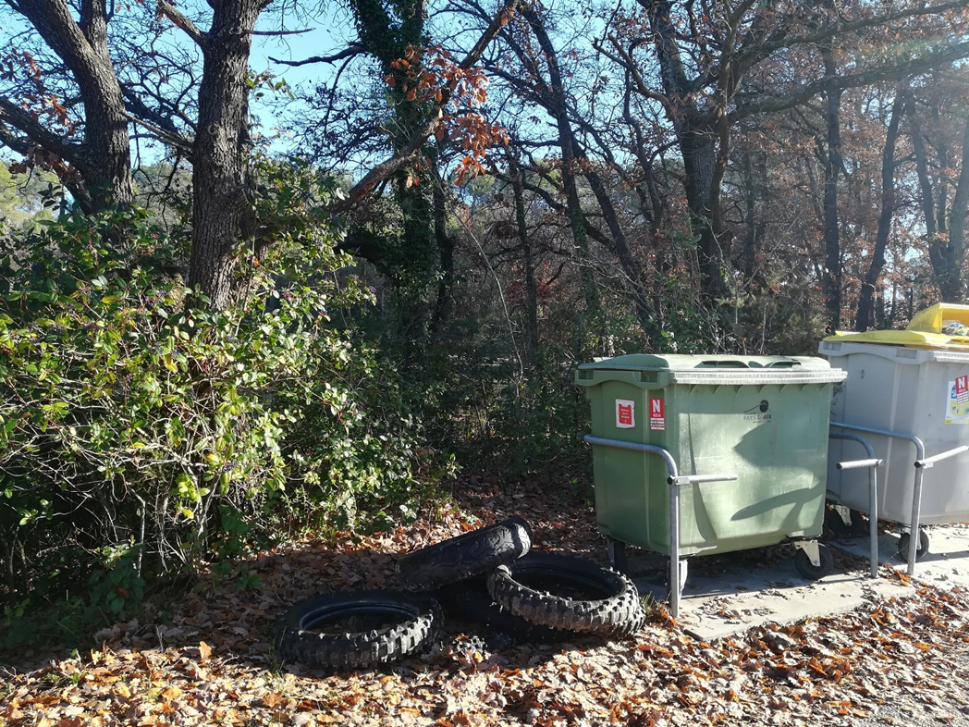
(204, 657)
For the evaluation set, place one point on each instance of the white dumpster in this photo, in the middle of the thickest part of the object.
(913, 382)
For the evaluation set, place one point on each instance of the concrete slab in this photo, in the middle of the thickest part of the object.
(946, 564)
(728, 594)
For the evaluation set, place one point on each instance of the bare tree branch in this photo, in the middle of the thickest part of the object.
(39, 135)
(912, 67)
(281, 32)
(154, 120)
(181, 143)
(20, 144)
(623, 59)
(786, 41)
(200, 38)
(352, 50)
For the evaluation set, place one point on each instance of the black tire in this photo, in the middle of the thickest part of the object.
(563, 592)
(369, 639)
(905, 540)
(814, 572)
(472, 554)
(470, 601)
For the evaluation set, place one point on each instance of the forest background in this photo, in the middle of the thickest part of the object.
(237, 308)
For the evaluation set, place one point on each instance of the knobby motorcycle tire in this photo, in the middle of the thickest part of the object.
(470, 602)
(613, 607)
(296, 641)
(473, 554)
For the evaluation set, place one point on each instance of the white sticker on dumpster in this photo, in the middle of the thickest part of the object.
(657, 416)
(625, 414)
(957, 403)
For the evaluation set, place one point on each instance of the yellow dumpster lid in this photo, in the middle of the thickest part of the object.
(948, 319)
(943, 325)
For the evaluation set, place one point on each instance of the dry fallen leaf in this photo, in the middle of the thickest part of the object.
(273, 700)
(821, 668)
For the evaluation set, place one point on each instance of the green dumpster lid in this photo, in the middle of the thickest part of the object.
(726, 369)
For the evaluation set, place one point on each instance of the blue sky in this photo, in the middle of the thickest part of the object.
(326, 35)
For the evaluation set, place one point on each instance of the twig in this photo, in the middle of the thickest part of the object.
(352, 50)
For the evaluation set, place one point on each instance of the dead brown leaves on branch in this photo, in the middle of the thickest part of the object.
(204, 657)
(37, 100)
(432, 76)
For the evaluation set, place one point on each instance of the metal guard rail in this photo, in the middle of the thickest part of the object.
(675, 481)
(872, 463)
(922, 463)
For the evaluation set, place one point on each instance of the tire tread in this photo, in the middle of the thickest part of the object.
(620, 614)
(357, 649)
(474, 553)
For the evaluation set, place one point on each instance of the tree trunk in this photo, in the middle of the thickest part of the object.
(699, 151)
(936, 245)
(951, 285)
(632, 270)
(531, 289)
(832, 166)
(103, 158)
(942, 180)
(865, 300)
(754, 185)
(221, 215)
(554, 101)
(445, 246)
(106, 135)
(698, 146)
(412, 257)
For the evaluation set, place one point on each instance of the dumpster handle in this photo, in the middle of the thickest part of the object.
(921, 464)
(929, 461)
(871, 464)
(675, 481)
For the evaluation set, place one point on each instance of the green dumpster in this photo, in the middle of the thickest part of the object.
(763, 419)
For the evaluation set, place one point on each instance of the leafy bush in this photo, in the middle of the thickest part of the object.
(139, 434)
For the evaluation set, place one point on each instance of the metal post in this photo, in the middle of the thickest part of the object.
(872, 463)
(675, 481)
(922, 463)
(913, 535)
(674, 584)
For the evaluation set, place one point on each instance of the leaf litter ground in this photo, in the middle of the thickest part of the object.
(205, 658)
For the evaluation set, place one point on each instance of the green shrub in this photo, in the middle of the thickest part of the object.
(139, 435)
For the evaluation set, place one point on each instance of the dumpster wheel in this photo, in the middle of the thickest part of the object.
(806, 568)
(906, 539)
(357, 629)
(565, 592)
(849, 524)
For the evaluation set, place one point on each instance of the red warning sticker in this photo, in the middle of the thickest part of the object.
(625, 414)
(657, 415)
(962, 390)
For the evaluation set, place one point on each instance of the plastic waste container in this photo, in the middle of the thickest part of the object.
(764, 419)
(913, 384)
